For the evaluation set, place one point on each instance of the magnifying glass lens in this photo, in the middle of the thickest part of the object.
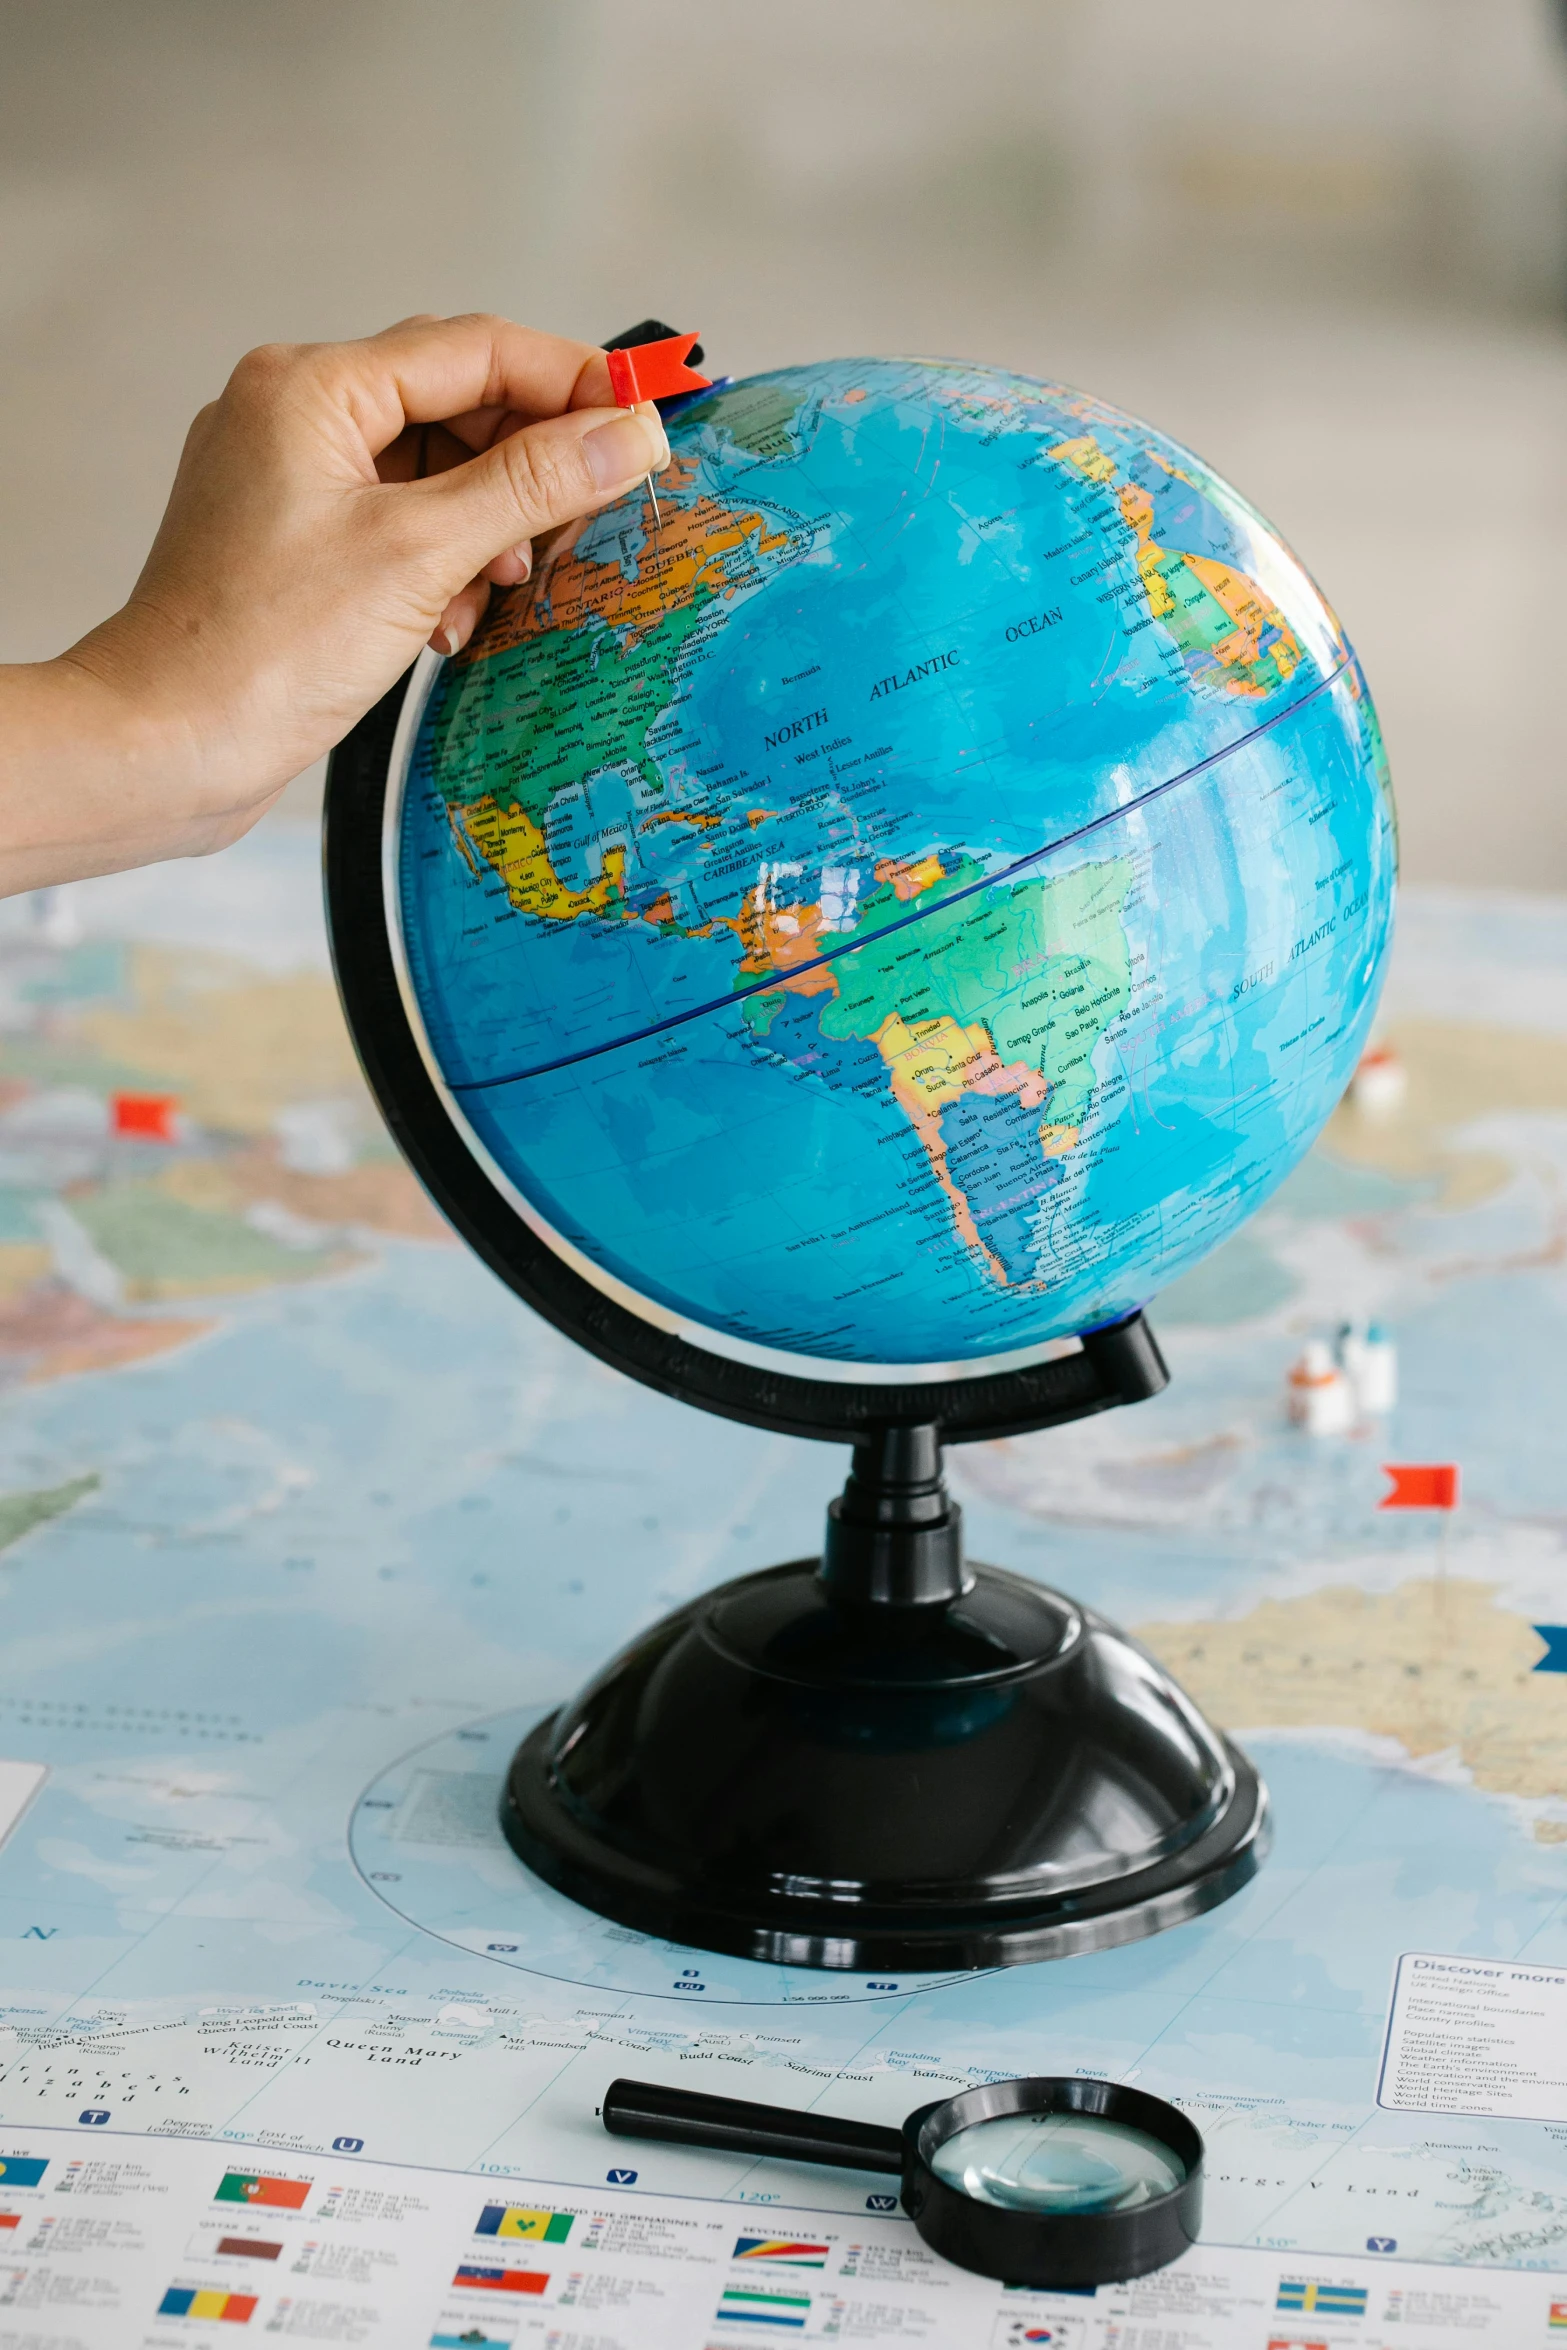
(1057, 2163)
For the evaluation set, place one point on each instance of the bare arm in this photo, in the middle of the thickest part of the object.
(339, 506)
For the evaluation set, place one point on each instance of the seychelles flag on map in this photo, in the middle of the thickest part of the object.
(1323, 2300)
(240, 2186)
(782, 2252)
(752, 2305)
(511, 2219)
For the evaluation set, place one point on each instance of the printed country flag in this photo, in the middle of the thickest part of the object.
(511, 2219)
(1277, 2342)
(753, 2305)
(1323, 2300)
(782, 2252)
(472, 2338)
(248, 2248)
(241, 2186)
(23, 2170)
(185, 2301)
(10, 2219)
(501, 2280)
(1558, 2313)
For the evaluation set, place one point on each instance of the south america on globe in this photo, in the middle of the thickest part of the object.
(913, 899)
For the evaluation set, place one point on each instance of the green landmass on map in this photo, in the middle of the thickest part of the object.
(961, 963)
(21, 1512)
(577, 701)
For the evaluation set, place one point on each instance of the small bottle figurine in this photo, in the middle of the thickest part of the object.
(1380, 1083)
(1321, 1399)
(1376, 1380)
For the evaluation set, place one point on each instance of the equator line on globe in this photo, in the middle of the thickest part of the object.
(917, 900)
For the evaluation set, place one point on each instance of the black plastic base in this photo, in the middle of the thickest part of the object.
(993, 1778)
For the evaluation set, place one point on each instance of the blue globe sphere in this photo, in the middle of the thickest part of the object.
(913, 897)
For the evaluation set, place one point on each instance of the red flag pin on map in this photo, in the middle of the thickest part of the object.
(654, 371)
(1420, 1485)
(150, 1116)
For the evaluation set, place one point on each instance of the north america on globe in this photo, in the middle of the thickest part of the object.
(915, 894)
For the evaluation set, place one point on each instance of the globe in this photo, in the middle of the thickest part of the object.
(909, 896)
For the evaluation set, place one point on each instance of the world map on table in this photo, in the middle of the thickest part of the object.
(305, 1519)
(910, 895)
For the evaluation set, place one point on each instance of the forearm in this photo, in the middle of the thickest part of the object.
(90, 779)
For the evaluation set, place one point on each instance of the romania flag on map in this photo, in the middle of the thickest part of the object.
(244, 2186)
(1323, 2300)
(782, 2252)
(754, 2305)
(500, 2280)
(511, 2219)
(183, 2301)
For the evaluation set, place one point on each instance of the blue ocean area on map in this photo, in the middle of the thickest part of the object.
(912, 903)
(367, 1519)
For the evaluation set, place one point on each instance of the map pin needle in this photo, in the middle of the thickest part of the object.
(654, 371)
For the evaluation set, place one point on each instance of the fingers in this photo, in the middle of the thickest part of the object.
(448, 368)
(460, 618)
(537, 478)
(510, 569)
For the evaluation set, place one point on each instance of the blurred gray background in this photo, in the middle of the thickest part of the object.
(1324, 242)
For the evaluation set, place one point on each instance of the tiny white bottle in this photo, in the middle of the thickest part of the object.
(1376, 1377)
(1380, 1083)
(1321, 1399)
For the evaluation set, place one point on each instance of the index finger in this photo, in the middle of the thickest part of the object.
(425, 371)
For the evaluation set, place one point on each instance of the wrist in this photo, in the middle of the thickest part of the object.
(89, 773)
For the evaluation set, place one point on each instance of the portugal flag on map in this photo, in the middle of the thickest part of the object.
(244, 2186)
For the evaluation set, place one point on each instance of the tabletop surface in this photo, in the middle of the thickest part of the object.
(303, 1520)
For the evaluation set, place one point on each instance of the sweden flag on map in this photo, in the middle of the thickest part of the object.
(511, 2219)
(1323, 2300)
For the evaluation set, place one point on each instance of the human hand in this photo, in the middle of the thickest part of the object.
(340, 505)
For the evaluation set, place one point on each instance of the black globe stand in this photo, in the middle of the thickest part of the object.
(885, 1759)
(890, 1759)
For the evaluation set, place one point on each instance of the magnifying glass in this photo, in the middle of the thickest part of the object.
(1041, 2182)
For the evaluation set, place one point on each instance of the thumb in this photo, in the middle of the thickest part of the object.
(536, 479)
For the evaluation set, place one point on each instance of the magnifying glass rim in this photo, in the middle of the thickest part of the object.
(1038, 2247)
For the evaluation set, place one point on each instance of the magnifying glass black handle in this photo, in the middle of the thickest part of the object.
(642, 2109)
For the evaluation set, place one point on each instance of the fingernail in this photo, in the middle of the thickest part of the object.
(523, 557)
(444, 640)
(620, 452)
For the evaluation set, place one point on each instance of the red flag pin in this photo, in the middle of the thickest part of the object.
(1421, 1485)
(150, 1116)
(654, 371)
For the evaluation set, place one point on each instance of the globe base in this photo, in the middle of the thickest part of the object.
(887, 1760)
